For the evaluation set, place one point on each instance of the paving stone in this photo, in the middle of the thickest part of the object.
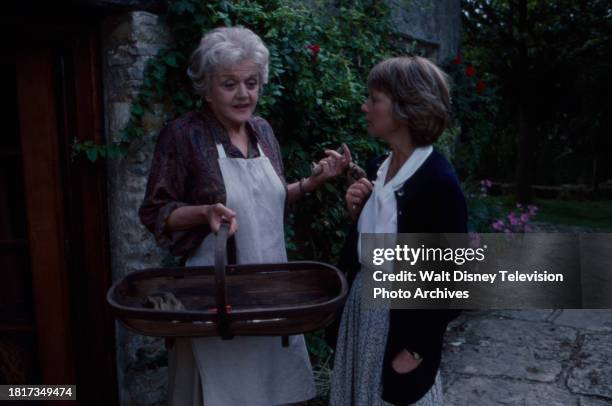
(592, 373)
(524, 314)
(588, 319)
(508, 348)
(588, 401)
(532, 342)
(496, 359)
(480, 391)
(528, 357)
(544, 339)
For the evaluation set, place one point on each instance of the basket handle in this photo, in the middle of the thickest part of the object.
(220, 286)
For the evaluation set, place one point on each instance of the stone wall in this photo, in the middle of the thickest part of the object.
(128, 41)
(435, 25)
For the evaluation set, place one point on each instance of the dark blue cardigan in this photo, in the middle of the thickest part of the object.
(431, 201)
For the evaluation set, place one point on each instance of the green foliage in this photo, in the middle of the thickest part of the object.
(474, 111)
(319, 66)
(320, 56)
(554, 60)
(593, 214)
(483, 209)
(319, 59)
(483, 212)
(93, 151)
(446, 143)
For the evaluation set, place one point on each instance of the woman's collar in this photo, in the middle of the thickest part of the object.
(408, 169)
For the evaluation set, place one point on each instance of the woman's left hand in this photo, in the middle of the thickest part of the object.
(404, 362)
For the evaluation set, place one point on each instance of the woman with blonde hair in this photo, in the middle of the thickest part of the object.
(392, 356)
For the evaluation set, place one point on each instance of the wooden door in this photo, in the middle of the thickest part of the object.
(55, 326)
(19, 361)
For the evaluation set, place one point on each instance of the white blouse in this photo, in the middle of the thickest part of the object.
(379, 215)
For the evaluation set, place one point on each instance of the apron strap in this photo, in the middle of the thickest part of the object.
(220, 151)
(261, 153)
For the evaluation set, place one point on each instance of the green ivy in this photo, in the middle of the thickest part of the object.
(312, 99)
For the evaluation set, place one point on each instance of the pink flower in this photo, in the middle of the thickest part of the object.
(532, 209)
(498, 225)
(470, 71)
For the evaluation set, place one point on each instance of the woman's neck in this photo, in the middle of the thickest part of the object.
(234, 129)
(401, 148)
(237, 133)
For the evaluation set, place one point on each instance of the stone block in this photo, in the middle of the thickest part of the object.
(592, 372)
(588, 319)
(117, 115)
(480, 391)
(588, 401)
(524, 314)
(499, 347)
(436, 25)
(495, 359)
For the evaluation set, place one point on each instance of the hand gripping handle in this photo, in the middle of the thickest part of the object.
(223, 325)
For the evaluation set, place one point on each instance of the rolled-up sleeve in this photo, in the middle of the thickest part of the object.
(166, 191)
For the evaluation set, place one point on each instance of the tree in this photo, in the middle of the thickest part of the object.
(551, 61)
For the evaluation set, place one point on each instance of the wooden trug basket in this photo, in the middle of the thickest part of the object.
(228, 300)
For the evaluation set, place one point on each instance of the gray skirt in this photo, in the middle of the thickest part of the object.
(358, 363)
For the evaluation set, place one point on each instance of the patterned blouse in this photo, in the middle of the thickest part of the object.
(185, 171)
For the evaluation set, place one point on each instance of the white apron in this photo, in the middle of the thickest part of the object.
(253, 371)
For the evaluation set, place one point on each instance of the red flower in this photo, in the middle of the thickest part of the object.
(481, 86)
(314, 49)
(470, 71)
(457, 60)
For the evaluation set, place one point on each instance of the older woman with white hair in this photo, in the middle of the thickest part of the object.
(222, 163)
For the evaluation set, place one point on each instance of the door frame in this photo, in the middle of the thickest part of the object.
(66, 203)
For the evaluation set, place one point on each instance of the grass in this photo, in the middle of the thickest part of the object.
(321, 356)
(592, 214)
(595, 214)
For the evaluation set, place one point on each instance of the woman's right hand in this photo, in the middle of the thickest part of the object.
(216, 213)
(356, 196)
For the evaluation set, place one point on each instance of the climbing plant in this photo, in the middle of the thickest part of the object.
(320, 55)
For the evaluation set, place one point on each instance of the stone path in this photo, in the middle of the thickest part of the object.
(529, 357)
